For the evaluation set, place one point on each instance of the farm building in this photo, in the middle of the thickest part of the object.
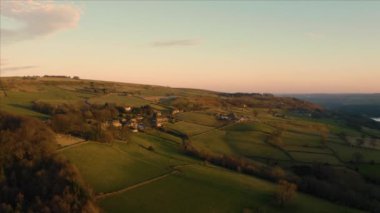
(175, 111)
(159, 120)
(116, 123)
(127, 108)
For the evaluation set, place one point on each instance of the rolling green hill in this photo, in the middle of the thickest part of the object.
(237, 141)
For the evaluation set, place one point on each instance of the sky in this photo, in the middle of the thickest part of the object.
(230, 46)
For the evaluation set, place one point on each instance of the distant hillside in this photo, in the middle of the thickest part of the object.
(364, 104)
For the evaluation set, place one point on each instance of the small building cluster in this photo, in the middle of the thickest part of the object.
(136, 122)
(159, 120)
(175, 111)
(231, 117)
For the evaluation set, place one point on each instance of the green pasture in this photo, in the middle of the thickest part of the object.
(188, 128)
(119, 99)
(315, 158)
(209, 189)
(108, 168)
(212, 141)
(199, 118)
(346, 153)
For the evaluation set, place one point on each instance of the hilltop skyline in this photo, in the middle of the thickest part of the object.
(245, 46)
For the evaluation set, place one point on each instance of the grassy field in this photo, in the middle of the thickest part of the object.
(320, 150)
(251, 144)
(207, 189)
(370, 171)
(212, 141)
(315, 158)
(199, 118)
(118, 99)
(297, 139)
(163, 135)
(67, 140)
(250, 126)
(108, 168)
(20, 102)
(188, 128)
(346, 152)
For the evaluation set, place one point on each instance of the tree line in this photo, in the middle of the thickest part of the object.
(339, 185)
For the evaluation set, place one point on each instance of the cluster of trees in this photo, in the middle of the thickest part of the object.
(275, 138)
(274, 173)
(355, 121)
(92, 121)
(242, 94)
(32, 177)
(82, 120)
(196, 103)
(86, 121)
(269, 101)
(51, 109)
(60, 76)
(339, 185)
(286, 192)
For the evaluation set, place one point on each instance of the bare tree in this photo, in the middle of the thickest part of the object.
(2, 86)
(286, 192)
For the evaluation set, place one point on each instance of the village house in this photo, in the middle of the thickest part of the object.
(139, 117)
(133, 123)
(116, 123)
(123, 121)
(175, 111)
(159, 120)
(242, 119)
(127, 108)
(227, 117)
(141, 127)
(279, 115)
(231, 117)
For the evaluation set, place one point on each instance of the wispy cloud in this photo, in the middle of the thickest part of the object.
(17, 68)
(39, 18)
(173, 43)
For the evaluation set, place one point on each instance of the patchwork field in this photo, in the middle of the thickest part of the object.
(188, 128)
(119, 99)
(199, 118)
(315, 158)
(346, 153)
(198, 188)
(152, 171)
(20, 102)
(108, 168)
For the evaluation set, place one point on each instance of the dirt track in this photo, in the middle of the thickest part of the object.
(110, 194)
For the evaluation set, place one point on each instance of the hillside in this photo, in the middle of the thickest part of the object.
(364, 104)
(144, 148)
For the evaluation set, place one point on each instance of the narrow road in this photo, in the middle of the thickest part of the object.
(72, 145)
(143, 183)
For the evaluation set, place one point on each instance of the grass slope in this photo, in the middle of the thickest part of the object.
(208, 189)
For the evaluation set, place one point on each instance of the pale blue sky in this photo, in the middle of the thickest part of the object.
(250, 46)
